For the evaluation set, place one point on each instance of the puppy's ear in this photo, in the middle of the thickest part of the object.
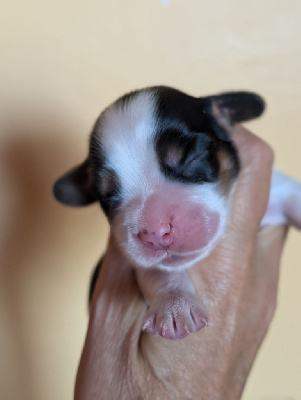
(238, 106)
(234, 107)
(74, 188)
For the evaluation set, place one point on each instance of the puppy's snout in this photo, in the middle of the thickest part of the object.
(158, 237)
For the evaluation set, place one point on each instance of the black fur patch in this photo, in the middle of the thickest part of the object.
(187, 126)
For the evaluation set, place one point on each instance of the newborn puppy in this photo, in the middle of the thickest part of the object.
(162, 165)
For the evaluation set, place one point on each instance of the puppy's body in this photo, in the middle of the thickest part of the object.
(162, 165)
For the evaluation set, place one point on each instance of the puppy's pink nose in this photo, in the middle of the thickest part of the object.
(157, 238)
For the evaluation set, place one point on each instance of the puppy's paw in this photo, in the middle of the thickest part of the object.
(175, 315)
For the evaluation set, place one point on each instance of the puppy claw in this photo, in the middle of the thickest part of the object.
(146, 324)
(163, 329)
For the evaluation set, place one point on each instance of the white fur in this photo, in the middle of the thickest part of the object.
(127, 135)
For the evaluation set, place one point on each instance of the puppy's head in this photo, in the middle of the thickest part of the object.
(161, 164)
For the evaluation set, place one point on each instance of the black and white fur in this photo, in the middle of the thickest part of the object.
(162, 165)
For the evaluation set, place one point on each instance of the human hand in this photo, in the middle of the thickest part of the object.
(238, 285)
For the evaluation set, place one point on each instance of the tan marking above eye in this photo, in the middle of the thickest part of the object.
(108, 183)
(174, 156)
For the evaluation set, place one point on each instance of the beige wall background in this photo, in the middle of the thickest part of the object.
(62, 61)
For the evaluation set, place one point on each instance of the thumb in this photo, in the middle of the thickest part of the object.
(116, 314)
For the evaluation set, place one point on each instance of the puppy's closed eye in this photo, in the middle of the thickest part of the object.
(187, 157)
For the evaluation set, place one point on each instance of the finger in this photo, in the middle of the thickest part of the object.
(252, 188)
(116, 313)
(269, 247)
(259, 299)
(117, 300)
(248, 204)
